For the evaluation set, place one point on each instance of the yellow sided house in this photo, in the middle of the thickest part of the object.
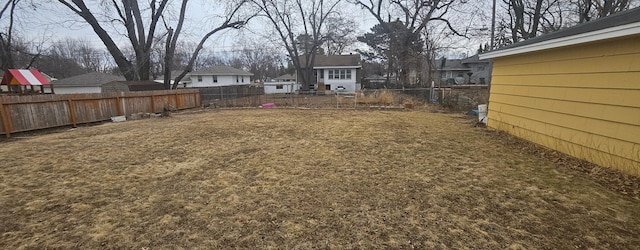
(576, 91)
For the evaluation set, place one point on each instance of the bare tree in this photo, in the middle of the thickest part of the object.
(414, 16)
(80, 51)
(233, 20)
(293, 18)
(609, 7)
(6, 37)
(141, 35)
(594, 9)
(526, 19)
(339, 34)
(263, 63)
(16, 51)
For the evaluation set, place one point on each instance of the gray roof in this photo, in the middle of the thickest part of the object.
(93, 79)
(450, 64)
(334, 60)
(375, 77)
(474, 59)
(221, 70)
(118, 86)
(174, 74)
(285, 77)
(617, 19)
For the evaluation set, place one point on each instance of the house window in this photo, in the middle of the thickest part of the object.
(327, 86)
(237, 79)
(322, 74)
(460, 75)
(482, 80)
(215, 78)
(242, 78)
(199, 78)
(279, 86)
(339, 74)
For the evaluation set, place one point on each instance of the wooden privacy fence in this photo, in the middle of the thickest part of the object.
(229, 92)
(24, 113)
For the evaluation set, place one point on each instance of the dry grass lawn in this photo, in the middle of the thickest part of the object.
(299, 179)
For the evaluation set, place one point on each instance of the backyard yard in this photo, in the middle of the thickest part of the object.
(300, 179)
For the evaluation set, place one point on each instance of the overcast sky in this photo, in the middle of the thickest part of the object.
(50, 21)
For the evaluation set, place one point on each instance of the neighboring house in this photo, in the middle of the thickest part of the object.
(219, 75)
(378, 82)
(374, 81)
(450, 71)
(129, 86)
(282, 84)
(480, 70)
(335, 73)
(470, 70)
(575, 90)
(85, 83)
(186, 80)
(286, 78)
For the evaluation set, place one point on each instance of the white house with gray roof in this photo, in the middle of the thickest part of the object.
(219, 75)
(284, 84)
(85, 83)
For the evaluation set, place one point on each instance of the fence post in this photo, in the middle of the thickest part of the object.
(72, 112)
(196, 99)
(153, 108)
(6, 123)
(118, 106)
(177, 102)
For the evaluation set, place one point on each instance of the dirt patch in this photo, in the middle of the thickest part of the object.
(300, 179)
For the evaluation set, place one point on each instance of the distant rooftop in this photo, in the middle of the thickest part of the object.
(285, 77)
(334, 60)
(93, 79)
(221, 70)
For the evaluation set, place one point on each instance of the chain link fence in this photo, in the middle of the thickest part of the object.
(454, 98)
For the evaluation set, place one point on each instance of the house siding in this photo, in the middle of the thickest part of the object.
(227, 80)
(583, 100)
(287, 87)
(350, 85)
(74, 90)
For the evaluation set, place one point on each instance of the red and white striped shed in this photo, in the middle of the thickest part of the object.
(23, 81)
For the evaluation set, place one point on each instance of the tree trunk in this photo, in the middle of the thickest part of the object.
(125, 66)
(168, 60)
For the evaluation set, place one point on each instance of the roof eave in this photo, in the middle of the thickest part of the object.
(220, 74)
(76, 85)
(608, 33)
(338, 67)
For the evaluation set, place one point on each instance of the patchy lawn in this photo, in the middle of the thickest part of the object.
(299, 179)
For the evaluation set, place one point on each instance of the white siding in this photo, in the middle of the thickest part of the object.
(207, 81)
(287, 87)
(74, 90)
(348, 84)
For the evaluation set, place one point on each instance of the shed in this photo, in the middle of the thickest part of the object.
(24, 81)
(86, 83)
(128, 86)
(575, 91)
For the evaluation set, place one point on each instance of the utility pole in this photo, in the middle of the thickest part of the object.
(493, 25)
